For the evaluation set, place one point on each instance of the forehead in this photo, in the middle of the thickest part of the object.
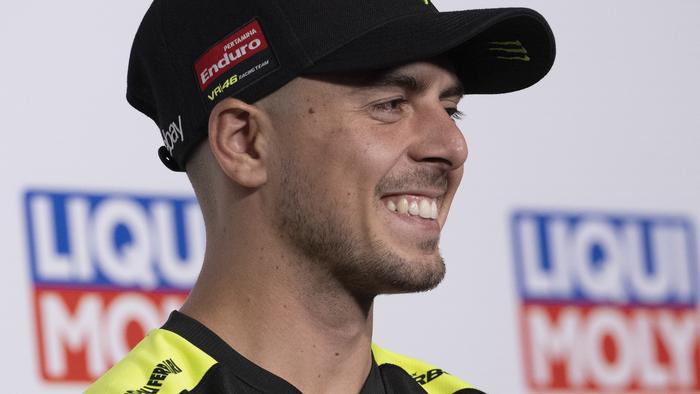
(415, 77)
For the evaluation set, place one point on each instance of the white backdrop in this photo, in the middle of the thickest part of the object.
(613, 129)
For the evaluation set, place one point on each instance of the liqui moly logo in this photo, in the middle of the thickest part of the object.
(106, 268)
(229, 52)
(609, 303)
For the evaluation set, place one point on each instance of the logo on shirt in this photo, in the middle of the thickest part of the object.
(158, 375)
(608, 302)
(428, 376)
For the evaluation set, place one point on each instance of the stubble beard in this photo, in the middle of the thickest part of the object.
(330, 244)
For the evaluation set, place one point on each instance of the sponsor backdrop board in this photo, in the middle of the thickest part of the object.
(571, 247)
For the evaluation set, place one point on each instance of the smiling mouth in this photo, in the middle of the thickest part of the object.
(420, 206)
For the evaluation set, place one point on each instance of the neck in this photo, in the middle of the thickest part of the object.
(289, 319)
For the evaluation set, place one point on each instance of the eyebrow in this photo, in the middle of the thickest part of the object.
(411, 84)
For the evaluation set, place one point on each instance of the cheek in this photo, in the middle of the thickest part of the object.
(362, 159)
(343, 157)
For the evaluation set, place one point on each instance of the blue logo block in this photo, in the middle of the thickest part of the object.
(600, 258)
(117, 240)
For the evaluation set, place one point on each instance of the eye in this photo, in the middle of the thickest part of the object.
(390, 106)
(454, 113)
(389, 110)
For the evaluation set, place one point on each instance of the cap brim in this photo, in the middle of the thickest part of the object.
(493, 50)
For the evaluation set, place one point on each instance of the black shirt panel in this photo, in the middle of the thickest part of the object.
(233, 369)
(217, 382)
(220, 380)
(230, 361)
(398, 381)
(233, 373)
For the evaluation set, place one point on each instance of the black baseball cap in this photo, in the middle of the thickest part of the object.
(190, 54)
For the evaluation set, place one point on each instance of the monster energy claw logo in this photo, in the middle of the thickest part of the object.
(509, 50)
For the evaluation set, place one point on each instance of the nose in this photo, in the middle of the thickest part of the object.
(438, 139)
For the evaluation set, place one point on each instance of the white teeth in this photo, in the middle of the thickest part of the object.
(425, 209)
(413, 208)
(403, 205)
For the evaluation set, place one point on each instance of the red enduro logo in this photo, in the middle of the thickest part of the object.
(106, 269)
(609, 303)
(229, 52)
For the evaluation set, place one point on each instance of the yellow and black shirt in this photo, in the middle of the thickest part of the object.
(184, 357)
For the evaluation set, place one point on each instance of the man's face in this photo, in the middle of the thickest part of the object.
(367, 166)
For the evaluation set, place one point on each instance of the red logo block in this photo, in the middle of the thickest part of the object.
(624, 349)
(229, 52)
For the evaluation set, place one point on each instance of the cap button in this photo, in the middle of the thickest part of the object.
(167, 159)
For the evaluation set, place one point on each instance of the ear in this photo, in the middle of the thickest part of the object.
(238, 139)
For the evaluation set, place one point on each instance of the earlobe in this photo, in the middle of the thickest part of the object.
(237, 142)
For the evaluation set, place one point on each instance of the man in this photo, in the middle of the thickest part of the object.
(320, 140)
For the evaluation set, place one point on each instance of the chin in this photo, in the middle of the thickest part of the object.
(422, 269)
(419, 275)
(388, 272)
